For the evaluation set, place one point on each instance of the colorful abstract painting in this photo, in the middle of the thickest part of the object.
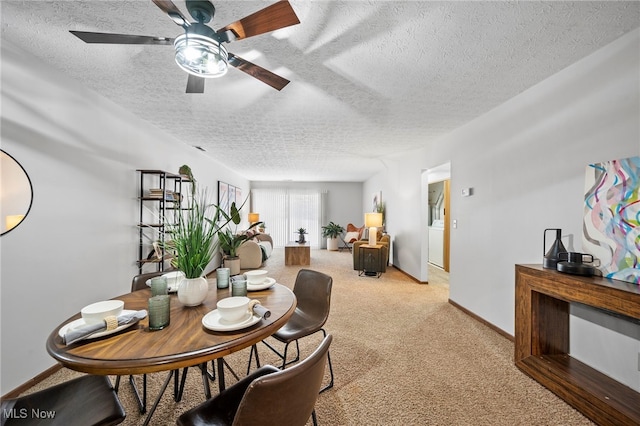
(611, 229)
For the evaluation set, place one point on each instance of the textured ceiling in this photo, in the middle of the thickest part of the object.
(369, 79)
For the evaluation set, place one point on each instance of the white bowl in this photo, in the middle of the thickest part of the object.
(174, 279)
(97, 312)
(256, 276)
(233, 309)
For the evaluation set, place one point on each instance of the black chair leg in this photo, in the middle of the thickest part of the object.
(314, 418)
(330, 385)
(254, 349)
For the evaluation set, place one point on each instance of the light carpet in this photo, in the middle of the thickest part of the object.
(402, 355)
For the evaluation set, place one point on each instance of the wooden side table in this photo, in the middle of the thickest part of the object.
(297, 254)
(372, 260)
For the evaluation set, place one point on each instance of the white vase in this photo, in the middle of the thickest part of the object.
(193, 291)
(332, 244)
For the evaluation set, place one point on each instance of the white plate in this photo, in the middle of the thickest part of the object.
(268, 282)
(80, 322)
(173, 280)
(212, 321)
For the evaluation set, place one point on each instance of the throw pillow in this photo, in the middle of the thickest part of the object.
(351, 236)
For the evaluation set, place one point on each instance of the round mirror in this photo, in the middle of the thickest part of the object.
(16, 193)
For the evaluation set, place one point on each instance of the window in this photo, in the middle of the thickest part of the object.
(284, 211)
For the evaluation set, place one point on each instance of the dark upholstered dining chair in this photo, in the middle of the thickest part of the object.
(87, 400)
(268, 396)
(313, 293)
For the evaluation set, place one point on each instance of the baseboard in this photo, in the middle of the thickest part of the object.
(406, 274)
(40, 377)
(483, 321)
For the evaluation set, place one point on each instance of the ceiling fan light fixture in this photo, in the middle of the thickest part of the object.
(201, 56)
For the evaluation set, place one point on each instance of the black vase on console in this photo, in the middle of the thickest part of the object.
(553, 256)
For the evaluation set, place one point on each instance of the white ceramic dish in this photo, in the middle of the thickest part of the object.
(80, 323)
(96, 312)
(173, 280)
(212, 321)
(268, 282)
(256, 276)
(233, 309)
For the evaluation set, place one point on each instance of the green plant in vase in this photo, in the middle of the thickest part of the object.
(193, 243)
(301, 233)
(331, 233)
(230, 241)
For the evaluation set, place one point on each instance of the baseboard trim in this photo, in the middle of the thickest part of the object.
(483, 321)
(34, 381)
(406, 274)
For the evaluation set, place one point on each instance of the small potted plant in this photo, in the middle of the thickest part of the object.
(331, 233)
(230, 242)
(301, 232)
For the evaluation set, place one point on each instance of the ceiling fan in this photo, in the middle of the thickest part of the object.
(200, 50)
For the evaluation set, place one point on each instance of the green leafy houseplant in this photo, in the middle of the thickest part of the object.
(193, 235)
(332, 230)
(231, 241)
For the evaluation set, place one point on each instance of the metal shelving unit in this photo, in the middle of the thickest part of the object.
(159, 193)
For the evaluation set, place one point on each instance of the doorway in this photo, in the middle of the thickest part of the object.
(435, 214)
(438, 219)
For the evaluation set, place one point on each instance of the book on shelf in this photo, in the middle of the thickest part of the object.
(166, 195)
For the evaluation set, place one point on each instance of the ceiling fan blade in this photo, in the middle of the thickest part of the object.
(89, 37)
(168, 7)
(258, 72)
(195, 84)
(271, 18)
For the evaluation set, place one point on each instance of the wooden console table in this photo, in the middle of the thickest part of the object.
(542, 340)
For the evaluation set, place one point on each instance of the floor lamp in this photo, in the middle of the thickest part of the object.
(373, 221)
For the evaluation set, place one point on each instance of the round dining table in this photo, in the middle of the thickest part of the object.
(186, 342)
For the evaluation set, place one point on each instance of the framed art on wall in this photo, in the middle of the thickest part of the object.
(611, 226)
(223, 196)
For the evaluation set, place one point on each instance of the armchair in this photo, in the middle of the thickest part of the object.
(352, 235)
(384, 240)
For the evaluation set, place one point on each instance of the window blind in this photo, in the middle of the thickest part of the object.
(285, 210)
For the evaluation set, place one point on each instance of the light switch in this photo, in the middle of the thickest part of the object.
(455, 223)
(467, 192)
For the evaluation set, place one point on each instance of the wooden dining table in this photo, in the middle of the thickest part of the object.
(184, 343)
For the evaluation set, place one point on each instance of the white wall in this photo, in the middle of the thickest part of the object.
(79, 242)
(526, 162)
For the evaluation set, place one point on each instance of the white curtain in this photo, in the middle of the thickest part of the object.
(284, 211)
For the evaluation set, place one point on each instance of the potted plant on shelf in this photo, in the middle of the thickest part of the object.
(331, 233)
(193, 243)
(301, 232)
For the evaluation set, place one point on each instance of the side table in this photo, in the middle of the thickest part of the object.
(297, 253)
(372, 260)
